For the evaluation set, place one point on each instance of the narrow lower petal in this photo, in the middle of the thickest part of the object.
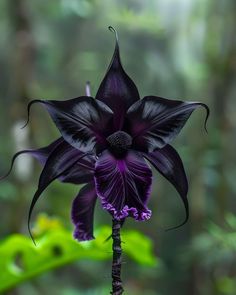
(117, 90)
(59, 162)
(82, 213)
(168, 162)
(40, 154)
(154, 122)
(124, 185)
(81, 172)
(83, 122)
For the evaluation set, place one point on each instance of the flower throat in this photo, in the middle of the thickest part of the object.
(119, 142)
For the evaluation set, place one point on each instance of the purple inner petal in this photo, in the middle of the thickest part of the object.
(82, 213)
(124, 185)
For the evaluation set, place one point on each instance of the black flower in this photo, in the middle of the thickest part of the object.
(105, 143)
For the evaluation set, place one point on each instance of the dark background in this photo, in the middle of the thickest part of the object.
(172, 48)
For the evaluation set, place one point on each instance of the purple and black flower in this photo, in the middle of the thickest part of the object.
(106, 143)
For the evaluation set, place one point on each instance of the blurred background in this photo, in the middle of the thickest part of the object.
(180, 49)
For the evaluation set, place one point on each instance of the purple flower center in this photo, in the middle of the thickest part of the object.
(119, 142)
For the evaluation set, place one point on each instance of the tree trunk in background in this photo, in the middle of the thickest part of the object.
(222, 67)
(22, 63)
(221, 61)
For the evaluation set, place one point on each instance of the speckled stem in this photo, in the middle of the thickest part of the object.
(117, 288)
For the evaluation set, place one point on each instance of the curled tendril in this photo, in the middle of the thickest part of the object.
(110, 28)
(28, 111)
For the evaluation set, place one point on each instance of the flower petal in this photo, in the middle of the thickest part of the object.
(82, 213)
(117, 90)
(81, 172)
(83, 122)
(168, 162)
(59, 162)
(124, 185)
(154, 121)
(40, 154)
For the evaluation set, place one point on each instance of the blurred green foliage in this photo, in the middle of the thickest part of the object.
(172, 48)
(216, 247)
(21, 260)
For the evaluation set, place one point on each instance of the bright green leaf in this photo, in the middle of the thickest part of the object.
(21, 260)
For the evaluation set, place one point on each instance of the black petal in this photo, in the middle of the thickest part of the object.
(59, 162)
(117, 90)
(154, 122)
(81, 172)
(83, 122)
(82, 213)
(40, 154)
(168, 162)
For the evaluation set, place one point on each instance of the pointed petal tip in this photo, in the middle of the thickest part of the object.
(12, 163)
(113, 30)
(180, 225)
(30, 233)
(33, 202)
(207, 109)
(207, 116)
(28, 110)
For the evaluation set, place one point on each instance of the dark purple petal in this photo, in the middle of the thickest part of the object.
(117, 90)
(82, 213)
(154, 122)
(124, 185)
(59, 162)
(168, 162)
(40, 154)
(81, 172)
(83, 122)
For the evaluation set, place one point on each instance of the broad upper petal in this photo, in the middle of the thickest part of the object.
(83, 122)
(154, 122)
(168, 162)
(117, 90)
(82, 213)
(124, 185)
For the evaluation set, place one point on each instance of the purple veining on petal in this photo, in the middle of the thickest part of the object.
(124, 185)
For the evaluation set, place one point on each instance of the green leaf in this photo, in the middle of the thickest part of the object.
(21, 260)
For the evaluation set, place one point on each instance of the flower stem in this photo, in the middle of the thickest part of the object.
(117, 288)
